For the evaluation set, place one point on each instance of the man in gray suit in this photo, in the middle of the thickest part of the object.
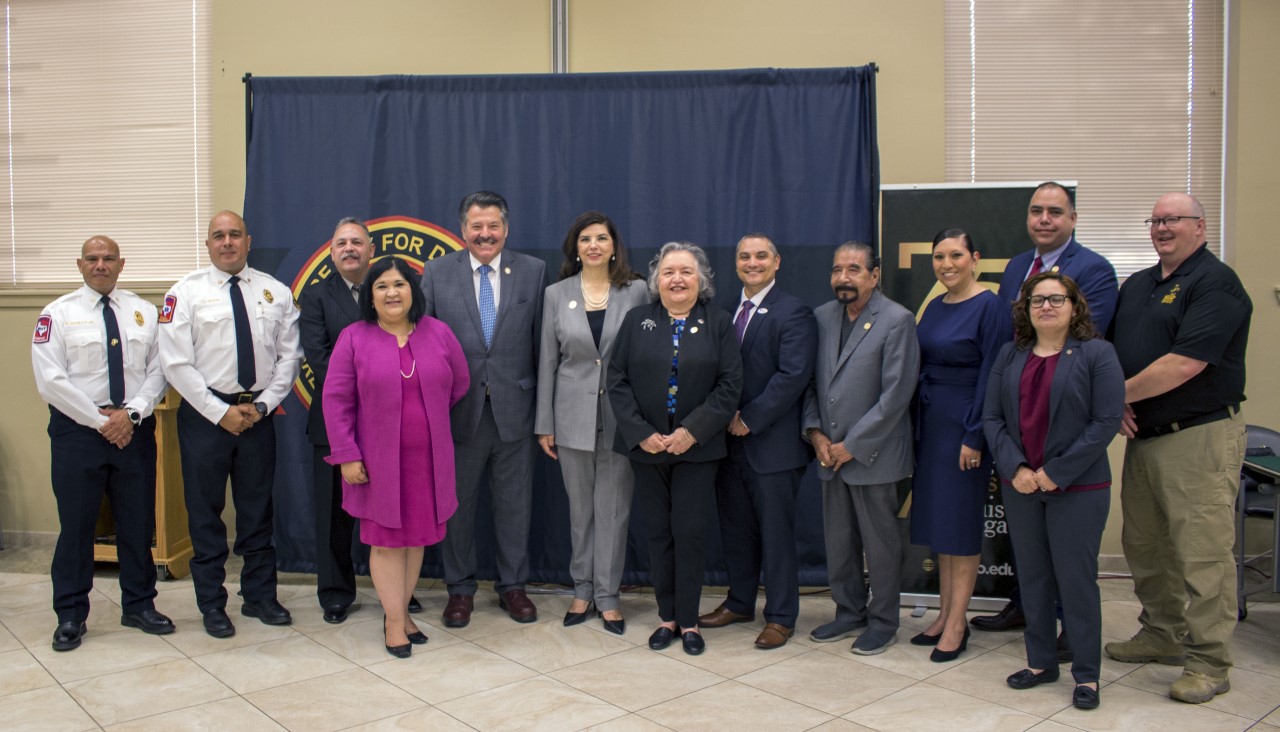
(856, 416)
(492, 300)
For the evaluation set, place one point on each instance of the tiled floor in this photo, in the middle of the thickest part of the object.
(498, 675)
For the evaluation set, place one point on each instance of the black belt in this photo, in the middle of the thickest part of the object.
(1196, 421)
(243, 397)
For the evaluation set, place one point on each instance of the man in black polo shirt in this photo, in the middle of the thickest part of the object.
(1180, 330)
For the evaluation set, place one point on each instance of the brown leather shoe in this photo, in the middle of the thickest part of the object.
(773, 636)
(457, 612)
(518, 606)
(721, 617)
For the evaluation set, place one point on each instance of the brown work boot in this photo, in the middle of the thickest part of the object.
(1194, 687)
(1137, 650)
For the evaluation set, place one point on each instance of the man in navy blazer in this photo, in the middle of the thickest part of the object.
(756, 484)
(491, 297)
(328, 307)
(1051, 223)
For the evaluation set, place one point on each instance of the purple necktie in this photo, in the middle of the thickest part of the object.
(740, 324)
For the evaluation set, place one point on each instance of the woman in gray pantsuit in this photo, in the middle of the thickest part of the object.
(575, 424)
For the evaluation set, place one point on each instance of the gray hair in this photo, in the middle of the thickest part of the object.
(353, 220)
(873, 262)
(482, 199)
(706, 286)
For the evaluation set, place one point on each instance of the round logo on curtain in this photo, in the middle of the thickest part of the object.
(410, 239)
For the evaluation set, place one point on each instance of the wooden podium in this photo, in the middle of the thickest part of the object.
(172, 550)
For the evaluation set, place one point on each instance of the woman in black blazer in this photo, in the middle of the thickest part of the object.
(674, 381)
(1053, 405)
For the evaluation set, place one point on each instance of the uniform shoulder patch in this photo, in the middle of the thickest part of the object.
(44, 326)
(166, 311)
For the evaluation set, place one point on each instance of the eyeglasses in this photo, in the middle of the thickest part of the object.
(1055, 301)
(1168, 221)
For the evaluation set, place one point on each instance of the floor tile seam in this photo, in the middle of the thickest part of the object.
(1166, 696)
(233, 694)
(1002, 705)
(169, 639)
(1258, 631)
(522, 681)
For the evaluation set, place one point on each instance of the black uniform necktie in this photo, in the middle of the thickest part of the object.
(115, 353)
(246, 370)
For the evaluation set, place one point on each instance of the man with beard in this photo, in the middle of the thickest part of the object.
(856, 417)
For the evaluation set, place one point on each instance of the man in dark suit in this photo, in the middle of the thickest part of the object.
(327, 308)
(1051, 223)
(492, 300)
(856, 417)
(757, 483)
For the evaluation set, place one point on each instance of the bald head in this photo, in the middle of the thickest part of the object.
(228, 242)
(100, 264)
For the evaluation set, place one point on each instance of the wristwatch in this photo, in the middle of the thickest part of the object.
(261, 407)
(134, 417)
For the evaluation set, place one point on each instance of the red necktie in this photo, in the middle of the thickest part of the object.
(1036, 266)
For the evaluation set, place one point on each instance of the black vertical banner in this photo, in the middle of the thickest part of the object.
(995, 215)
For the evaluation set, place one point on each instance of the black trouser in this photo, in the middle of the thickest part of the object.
(83, 467)
(676, 498)
(211, 455)
(335, 572)
(757, 531)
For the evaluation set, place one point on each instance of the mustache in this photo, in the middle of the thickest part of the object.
(849, 290)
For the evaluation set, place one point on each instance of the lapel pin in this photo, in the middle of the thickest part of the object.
(762, 311)
(573, 304)
(699, 320)
(506, 270)
(1054, 268)
(648, 324)
(866, 326)
(115, 342)
(1068, 351)
(694, 329)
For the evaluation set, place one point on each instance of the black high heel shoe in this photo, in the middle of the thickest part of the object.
(617, 627)
(940, 656)
(924, 639)
(576, 618)
(403, 651)
(417, 638)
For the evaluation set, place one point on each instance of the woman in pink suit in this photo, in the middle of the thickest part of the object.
(393, 377)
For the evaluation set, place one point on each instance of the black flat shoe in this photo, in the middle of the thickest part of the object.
(68, 634)
(924, 639)
(693, 643)
(661, 638)
(403, 651)
(414, 605)
(1085, 697)
(572, 618)
(940, 656)
(417, 638)
(617, 627)
(1026, 678)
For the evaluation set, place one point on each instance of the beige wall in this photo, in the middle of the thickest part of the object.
(309, 37)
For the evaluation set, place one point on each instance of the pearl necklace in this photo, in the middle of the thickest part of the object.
(594, 304)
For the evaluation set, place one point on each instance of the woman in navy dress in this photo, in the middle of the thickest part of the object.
(960, 334)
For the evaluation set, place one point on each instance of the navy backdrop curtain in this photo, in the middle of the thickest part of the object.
(702, 156)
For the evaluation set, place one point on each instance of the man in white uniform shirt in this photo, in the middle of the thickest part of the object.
(229, 345)
(96, 364)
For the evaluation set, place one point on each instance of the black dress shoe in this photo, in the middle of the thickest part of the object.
(218, 625)
(924, 639)
(1085, 697)
(148, 621)
(572, 618)
(67, 636)
(1010, 617)
(617, 627)
(269, 611)
(693, 643)
(941, 656)
(334, 614)
(1026, 678)
(661, 638)
(414, 605)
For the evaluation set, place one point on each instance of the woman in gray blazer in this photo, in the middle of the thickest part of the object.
(575, 424)
(1054, 402)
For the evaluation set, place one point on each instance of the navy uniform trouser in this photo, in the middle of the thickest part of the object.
(211, 455)
(84, 468)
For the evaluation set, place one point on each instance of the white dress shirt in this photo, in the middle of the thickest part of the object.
(198, 338)
(69, 355)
